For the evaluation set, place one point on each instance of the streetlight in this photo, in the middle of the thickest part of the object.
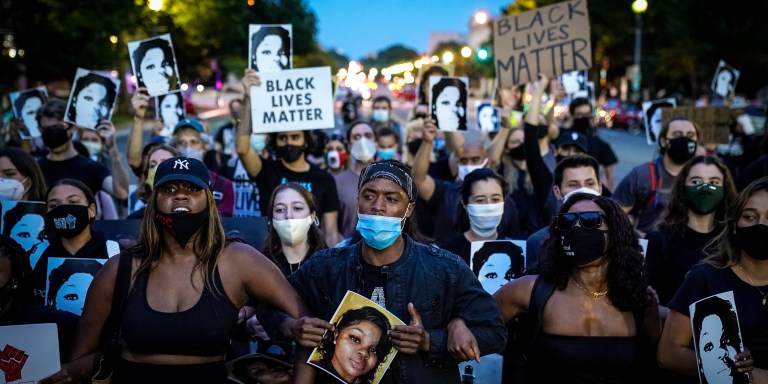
(466, 52)
(155, 5)
(638, 7)
(448, 57)
(481, 17)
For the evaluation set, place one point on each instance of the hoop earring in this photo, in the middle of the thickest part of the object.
(316, 221)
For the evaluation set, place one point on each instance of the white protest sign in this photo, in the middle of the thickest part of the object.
(28, 353)
(497, 262)
(717, 338)
(551, 40)
(292, 100)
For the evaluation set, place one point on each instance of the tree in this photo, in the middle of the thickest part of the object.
(389, 56)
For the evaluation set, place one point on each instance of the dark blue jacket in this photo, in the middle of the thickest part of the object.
(439, 284)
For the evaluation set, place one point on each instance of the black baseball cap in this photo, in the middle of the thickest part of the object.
(571, 137)
(183, 168)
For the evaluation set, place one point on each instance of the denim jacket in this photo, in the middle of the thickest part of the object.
(438, 283)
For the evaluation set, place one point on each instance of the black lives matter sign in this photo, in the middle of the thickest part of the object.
(551, 40)
(293, 99)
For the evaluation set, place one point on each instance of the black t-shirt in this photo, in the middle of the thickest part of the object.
(374, 283)
(705, 280)
(317, 181)
(459, 246)
(79, 167)
(668, 259)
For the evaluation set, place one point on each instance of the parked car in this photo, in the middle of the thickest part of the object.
(617, 114)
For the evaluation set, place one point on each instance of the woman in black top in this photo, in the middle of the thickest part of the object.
(702, 192)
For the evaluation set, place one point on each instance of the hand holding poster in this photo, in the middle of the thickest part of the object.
(154, 64)
(361, 327)
(551, 40)
(293, 99)
(28, 353)
(448, 102)
(717, 339)
(92, 99)
(25, 105)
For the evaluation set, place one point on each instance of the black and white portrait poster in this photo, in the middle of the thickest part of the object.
(425, 72)
(170, 109)
(154, 64)
(725, 79)
(496, 262)
(717, 339)
(587, 93)
(24, 222)
(92, 98)
(28, 353)
(68, 280)
(25, 105)
(448, 102)
(359, 349)
(574, 81)
(652, 117)
(293, 99)
(488, 117)
(270, 47)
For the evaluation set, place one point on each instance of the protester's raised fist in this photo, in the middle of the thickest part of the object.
(250, 79)
(140, 102)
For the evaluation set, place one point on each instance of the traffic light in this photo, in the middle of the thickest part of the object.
(483, 54)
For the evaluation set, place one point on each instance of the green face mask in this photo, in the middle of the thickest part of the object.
(704, 198)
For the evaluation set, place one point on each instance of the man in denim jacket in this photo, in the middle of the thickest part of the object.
(430, 289)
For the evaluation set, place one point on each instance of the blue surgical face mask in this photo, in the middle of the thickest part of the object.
(379, 232)
(439, 144)
(387, 153)
(380, 115)
(258, 142)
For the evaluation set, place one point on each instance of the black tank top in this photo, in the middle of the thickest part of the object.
(203, 330)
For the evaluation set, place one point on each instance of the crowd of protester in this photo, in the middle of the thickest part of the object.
(388, 208)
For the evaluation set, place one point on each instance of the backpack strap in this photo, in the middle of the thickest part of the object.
(542, 291)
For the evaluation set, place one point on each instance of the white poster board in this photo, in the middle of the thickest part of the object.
(293, 100)
(652, 117)
(92, 98)
(448, 102)
(496, 262)
(488, 117)
(716, 337)
(170, 109)
(31, 352)
(154, 63)
(725, 79)
(25, 105)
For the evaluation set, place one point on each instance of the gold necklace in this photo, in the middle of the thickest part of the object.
(595, 294)
(764, 295)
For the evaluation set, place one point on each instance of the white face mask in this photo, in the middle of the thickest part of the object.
(94, 148)
(11, 189)
(363, 150)
(485, 218)
(465, 170)
(192, 153)
(292, 231)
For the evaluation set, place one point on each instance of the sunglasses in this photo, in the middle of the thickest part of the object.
(588, 220)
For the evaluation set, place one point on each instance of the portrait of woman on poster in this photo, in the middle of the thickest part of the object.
(359, 344)
(155, 66)
(92, 100)
(449, 104)
(271, 49)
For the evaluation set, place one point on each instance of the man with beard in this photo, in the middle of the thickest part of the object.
(646, 189)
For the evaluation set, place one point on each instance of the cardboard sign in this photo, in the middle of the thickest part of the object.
(270, 47)
(725, 79)
(448, 102)
(293, 99)
(170, 109)
(25, 105)
(717, 338)
(154, 63)
(24, 222)
(68, 281)
(29, 353)
(551, 40)
(711, 121)
(497, 262)
(92, 98)
(358, 310)
(652, 117)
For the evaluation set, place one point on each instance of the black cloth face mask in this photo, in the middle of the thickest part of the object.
(289, 153)
(68, 220)
(182, 225)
